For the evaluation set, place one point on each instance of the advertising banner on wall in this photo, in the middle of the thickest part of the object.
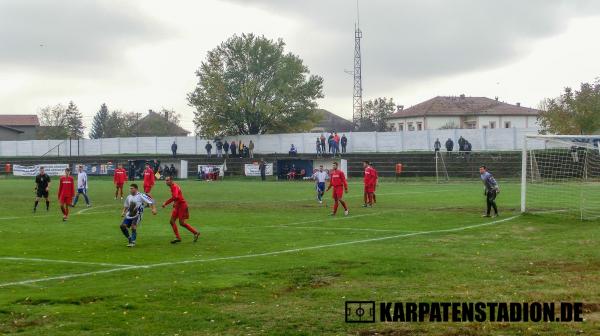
(253, 169)
(51, 169)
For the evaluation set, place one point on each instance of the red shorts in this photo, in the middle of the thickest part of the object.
(65, 199)
(370, 188)
(147, 189)
(119, 185)
(181, 212)
(338, 193)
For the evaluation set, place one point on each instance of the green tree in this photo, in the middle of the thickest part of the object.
(375, 114)
(54, 121)
(100, 123)
(74, 121)
(573, 112)
(247, 85)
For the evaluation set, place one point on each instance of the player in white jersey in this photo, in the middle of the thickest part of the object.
(133, 209)
(82, 186)
(320, 176)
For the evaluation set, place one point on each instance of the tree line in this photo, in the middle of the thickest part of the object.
(62, 122)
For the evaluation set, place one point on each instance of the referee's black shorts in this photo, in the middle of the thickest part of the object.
(41, 193)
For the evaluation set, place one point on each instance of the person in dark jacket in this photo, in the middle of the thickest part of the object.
(173, 171)
(263, 169)
(344, 142)
(226, 148)
(437, 145)
(461, 144)
(233, 147)
(449, 145)
(208, 148)
(322, 144)
(174, 149)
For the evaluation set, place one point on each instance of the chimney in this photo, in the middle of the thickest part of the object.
(462, 96)
(496, 98)
(150, 111)
(399, 108)
(167, 115)
(519, 104)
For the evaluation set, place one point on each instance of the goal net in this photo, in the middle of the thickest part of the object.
(561, 173)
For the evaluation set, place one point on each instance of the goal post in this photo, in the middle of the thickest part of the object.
(561, 173)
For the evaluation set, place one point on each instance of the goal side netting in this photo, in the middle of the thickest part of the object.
(561, 173)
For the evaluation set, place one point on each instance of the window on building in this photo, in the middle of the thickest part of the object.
(507, 124)
(401, 127)
(492, 124)
(419, 126)
(470, 124)
(411, 126)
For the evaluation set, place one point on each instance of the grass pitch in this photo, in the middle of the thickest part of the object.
(271, 262)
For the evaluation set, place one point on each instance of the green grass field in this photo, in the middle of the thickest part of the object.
(271, 261)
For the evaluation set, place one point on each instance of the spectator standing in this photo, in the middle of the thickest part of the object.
(174, 149)
(240, 148)
(208, 148)
(437, 145)
(318, 147)
(293, 151)
(449, 145)
(322, 143)
(330, 142)
(251, 149)
(344, 142)
(233, 148)
(336, 144)
(461, 144)
(226, 148)
(263, 169)
(219, 146)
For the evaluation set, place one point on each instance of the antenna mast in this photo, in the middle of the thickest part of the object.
(357, 110)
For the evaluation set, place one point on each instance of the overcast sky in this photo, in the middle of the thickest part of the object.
(137, 55)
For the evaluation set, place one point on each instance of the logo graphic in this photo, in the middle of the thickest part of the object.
(360, 311)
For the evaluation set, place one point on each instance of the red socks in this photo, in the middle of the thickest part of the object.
(175, 230)
(189, 227)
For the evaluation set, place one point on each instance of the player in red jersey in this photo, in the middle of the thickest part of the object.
(180, 211)
(66, 191)
(337, 180)
(148, 180)
(119, 179)
(375, 184)
(369, 180)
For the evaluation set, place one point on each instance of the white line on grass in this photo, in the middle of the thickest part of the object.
(64, 261)
(91, 208)
(334, 228)
(300, 249)
(67, 276)
(60, 216)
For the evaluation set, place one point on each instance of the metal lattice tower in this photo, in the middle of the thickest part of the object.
(357, 110)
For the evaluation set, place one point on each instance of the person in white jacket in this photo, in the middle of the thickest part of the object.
(82, 185)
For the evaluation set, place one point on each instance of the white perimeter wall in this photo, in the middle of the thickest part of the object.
(358, 142)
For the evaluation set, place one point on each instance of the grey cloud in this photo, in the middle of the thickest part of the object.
(412, 40)
(58, 34)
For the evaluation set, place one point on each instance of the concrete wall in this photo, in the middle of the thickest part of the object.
(358, 142)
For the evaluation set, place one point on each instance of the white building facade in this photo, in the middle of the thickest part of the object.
(464, 113)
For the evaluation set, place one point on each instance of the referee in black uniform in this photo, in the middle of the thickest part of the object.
(42, 185)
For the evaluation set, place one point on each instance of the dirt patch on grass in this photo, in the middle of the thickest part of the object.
(19, 322)
(67, 301)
